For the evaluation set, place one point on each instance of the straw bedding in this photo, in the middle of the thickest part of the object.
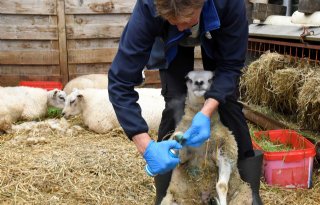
(78, 168)
(71, 165)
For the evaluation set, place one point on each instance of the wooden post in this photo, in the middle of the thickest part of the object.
(262, 11)
(62, 42)
(309, 6)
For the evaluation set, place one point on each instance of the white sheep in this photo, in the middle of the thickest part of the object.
(87, 81)
(211, 169)
(27, 103)
(97, 111)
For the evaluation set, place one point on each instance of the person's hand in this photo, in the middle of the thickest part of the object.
(157, 156)
(199, 131)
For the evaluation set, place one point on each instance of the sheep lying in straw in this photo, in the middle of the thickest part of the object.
(26, 103)
(194, 181)
(87, 81)
(98, 114)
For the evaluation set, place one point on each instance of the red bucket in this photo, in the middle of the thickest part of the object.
(290, 169)
(48, 85)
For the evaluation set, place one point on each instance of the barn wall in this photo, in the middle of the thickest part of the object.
(58, 40)
(93, 30)
(29, 41)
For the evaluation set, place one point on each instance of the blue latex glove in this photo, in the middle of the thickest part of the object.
(157, 156)
(199, 131)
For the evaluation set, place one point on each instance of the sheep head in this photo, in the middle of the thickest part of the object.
(72, 106)
(56, 98)
(198, 83)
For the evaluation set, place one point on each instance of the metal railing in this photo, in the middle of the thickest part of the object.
(296, 50)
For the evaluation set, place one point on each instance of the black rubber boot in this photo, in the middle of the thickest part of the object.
(250, 171)
(162, 184)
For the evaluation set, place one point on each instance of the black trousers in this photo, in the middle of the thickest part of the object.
(174, 91)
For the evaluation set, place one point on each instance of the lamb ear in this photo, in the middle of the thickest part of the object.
(55, 93)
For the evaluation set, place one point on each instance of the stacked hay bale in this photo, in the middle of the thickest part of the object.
(309, 101)
(285, 86)
(255, 82)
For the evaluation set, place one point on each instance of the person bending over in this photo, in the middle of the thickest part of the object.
(162, 34)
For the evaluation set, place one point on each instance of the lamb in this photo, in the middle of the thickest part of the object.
(98, 114)
(26, 103)
(214, 164)
(87, 81)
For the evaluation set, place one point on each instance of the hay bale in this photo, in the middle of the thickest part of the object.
(275, 81)
(309, 102)
(255, 81)
(285, 85)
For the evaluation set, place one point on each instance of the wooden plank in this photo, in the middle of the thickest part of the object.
(97, 19)
(13, 80)
(29, 57)
(27, 20)
(13, 45)
(262, 11)
(262, 120)
(198, 64)
(31, 32)
(197, 52)
(309, 6)
(28, 27)
(94, 31)
(152, 77)
(99, 6)
(95, 26)
(29, 70)
(43, 7)
(284, 32)
(82, 69)
(62, 41)
(102, 55)
(93, 43)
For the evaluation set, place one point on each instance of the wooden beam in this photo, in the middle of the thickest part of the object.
(99, 55)
(261, 120)
(63, 55)
(262, 11)
(284, 32)
(29, 70)
(43, 7)
(30, 32)
(13, 80)
(83, 69)
(152, 77)
(197, 52)
(24, 45)
(91, 31)
(99, 6)
(309, 6)
(29, 57)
